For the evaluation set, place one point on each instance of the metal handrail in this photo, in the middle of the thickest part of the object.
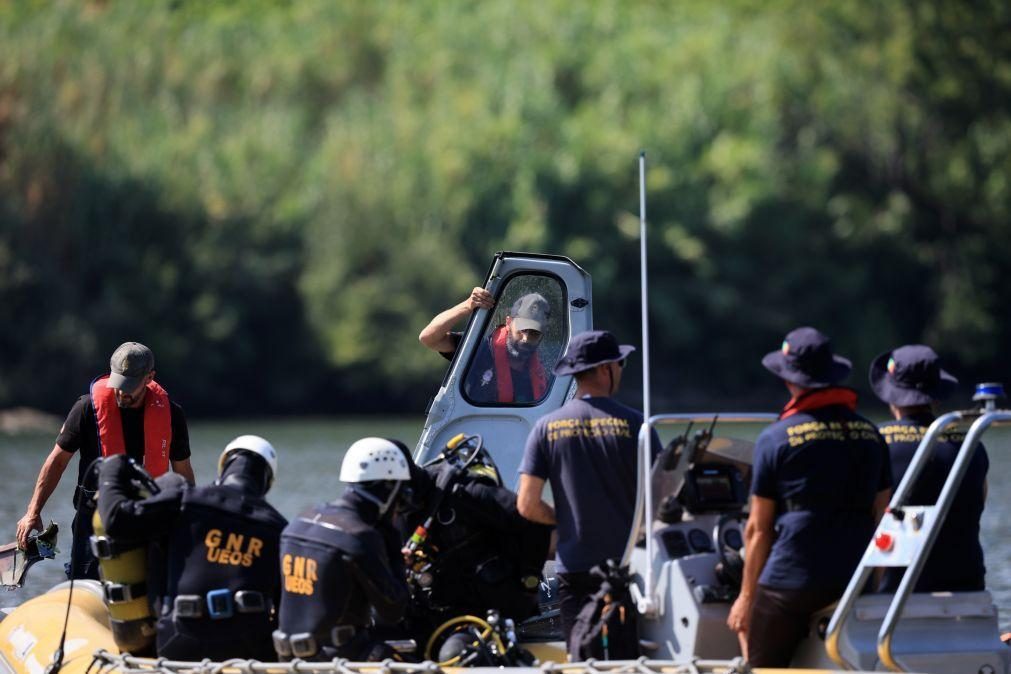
(943, 505)
(647, 603)
(983, 420)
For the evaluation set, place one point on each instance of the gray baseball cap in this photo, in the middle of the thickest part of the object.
(531, 312)
(128, 366)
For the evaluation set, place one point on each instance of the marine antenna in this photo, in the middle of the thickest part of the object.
(645, 442)
(644, 291)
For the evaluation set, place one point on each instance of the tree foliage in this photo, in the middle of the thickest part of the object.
(276, 196)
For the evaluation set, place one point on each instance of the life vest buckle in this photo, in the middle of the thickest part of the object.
(188, 606)
(101, 547)
(250, 601)
(281, 643)
(118, 593)
(220, 604)
(303, 645)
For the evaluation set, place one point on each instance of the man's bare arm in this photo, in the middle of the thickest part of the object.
(881, 500)
(436, 337)
(758, 535)
(49, 477)
(184, 468)
(530, 503)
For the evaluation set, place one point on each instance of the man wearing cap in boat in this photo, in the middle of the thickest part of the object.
(213, 575)
(507, 368)
(821, 480)
(911, 381)
(587, 451)
(126, 411)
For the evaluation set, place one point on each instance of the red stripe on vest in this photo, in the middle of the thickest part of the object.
(157, 424)
(503, 373)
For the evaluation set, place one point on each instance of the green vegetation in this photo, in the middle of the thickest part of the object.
(276, 196)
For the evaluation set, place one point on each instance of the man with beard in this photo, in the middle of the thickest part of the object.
(507, 367)
(124, 412)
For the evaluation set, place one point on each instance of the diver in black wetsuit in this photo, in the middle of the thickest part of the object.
(341, 562)
(484, 555)
(215, 581)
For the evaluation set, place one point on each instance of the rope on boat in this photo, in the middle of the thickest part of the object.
(104, 662)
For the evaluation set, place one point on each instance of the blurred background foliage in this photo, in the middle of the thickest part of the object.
(277, 196)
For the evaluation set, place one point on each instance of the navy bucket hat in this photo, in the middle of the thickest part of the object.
(910, 375)
(806, 359)
(590, 349)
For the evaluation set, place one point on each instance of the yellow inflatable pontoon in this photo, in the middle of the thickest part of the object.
(30, 635)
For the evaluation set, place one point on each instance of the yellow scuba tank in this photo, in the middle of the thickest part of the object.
(123, 569)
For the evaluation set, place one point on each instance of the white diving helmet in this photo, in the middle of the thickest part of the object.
(375, 460)
(256, 445)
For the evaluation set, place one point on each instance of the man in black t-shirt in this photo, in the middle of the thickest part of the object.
(125, 412)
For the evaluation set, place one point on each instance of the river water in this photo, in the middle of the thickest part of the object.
(311, 451)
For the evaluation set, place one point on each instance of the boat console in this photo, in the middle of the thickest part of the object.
(697, 497)
(684, 580)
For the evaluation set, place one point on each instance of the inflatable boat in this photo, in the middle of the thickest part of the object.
(681, 553)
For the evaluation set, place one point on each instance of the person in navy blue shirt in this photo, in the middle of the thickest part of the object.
(587, 450)
(911, 381)
(821, 480)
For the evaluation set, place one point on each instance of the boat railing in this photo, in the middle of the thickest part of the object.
(643, 518)
(104, 662)
(906, 534)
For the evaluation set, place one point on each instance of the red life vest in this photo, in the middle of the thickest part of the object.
(157, 424)
(503, 373)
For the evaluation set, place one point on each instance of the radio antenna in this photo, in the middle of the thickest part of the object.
(644, 292)
(647, 604)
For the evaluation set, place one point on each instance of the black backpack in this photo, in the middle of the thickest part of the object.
(607, 626)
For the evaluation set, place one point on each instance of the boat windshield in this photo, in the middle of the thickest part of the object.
(671, 469)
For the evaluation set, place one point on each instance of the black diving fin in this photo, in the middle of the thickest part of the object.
(14, 562)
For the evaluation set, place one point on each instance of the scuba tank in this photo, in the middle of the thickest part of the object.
(471, 551)
(123, 571)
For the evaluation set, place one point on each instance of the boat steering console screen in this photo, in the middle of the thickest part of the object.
(713, 488)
